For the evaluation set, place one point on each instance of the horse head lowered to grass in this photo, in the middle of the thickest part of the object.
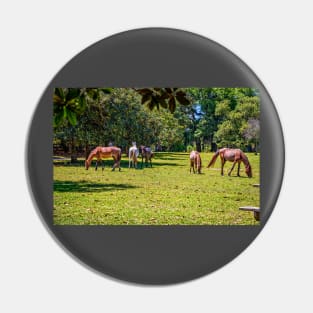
(232, 155)
(103, 153)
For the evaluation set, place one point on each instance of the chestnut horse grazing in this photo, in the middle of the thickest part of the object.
(133, 155)
(147, 154)
(102, 153)
(195, 162)
(232, 155)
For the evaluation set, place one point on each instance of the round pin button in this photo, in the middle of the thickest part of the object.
(192, 148)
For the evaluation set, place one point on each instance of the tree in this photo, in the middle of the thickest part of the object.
(86, 117)
(252, 133)
(231, 130)
(70, 103)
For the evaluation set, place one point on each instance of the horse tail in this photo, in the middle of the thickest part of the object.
(213, 158)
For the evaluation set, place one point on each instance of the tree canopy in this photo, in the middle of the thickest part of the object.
(171, 119)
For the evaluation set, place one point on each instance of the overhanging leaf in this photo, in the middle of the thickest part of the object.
(146, 97)
(181, 97)
(172, 104)
(71, 116)
(60, 93)
(57, 118)
(72, 93)
(107, 90)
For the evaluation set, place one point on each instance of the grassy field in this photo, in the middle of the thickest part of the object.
(166, 194)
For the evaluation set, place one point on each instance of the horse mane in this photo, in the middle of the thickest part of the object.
(245, 159)
(90, 154)
(247, 164)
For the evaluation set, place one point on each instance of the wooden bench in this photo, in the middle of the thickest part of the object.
(255, 210)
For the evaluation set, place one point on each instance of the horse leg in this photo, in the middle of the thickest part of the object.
(114, 164)
(150, 163)
(222, 167)
(232, 168)
(102, 164)
(96, 164)
(117, 164)
(238, 171)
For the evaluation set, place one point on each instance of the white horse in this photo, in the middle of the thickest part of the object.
(133, 155)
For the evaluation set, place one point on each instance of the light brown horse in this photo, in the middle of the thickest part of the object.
(232, 155)
(195, 162)
(147, 154)
(102, 153)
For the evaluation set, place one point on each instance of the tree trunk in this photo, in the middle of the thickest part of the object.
(73, 151)
(86, 150)
(213, 147)
(198, 145)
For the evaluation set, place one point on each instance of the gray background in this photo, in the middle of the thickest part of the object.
(154, 57)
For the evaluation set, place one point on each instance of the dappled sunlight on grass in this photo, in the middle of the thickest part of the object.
(166, 194)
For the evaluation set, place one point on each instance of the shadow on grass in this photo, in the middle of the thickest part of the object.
(158, 164)
(171, 156)
(83, 186)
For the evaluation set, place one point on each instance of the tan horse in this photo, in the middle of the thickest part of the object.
(232, 155)
(195, 162)
(103, 153)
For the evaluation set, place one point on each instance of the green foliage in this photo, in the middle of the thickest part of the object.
(224, 114)
(121, 119)
(231, 131)
(166, 194)
(190, 148)
(166, 98)
(201, 117)
(69, 103)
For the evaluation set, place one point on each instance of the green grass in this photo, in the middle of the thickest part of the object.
(166, 194)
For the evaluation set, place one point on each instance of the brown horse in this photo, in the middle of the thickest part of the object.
(195, 162)
(105, 152)
(147, 154)
(232, 155)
